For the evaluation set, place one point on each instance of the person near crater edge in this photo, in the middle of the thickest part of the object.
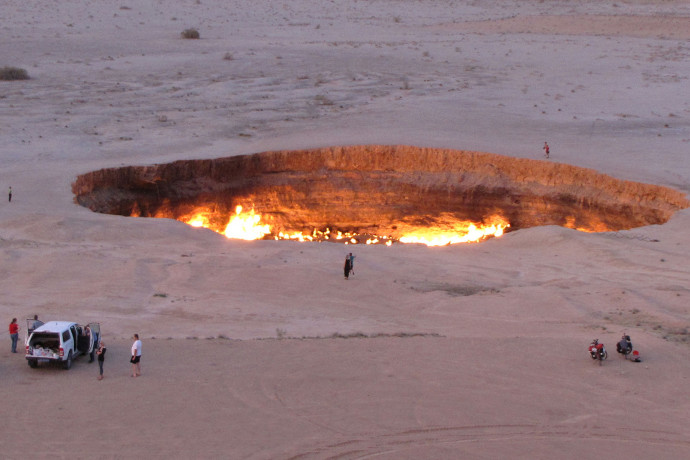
(348, 266)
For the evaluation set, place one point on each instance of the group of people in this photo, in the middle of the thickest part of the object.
(98, 348)
(134, 359)
(14, 330)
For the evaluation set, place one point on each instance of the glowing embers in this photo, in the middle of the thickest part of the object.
(593, 225)
(247, 225)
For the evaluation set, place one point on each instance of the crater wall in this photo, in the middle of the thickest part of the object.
(379, 190)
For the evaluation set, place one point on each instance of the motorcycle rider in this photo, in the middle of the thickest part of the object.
(624, 346)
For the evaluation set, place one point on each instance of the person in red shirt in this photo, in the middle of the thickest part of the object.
(14, 334)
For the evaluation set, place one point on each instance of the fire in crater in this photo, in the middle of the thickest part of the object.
(247, 225)
(376, 195)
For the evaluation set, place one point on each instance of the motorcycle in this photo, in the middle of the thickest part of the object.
(625, 346)
(598, 351)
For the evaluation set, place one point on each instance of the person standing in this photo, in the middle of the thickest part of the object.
(347, 266)
(96, 341)
(101, 358)
(10, 194)
(546, 150)
(14, 334)
(352, 264)
(136, 356)
(87, 334)
(35, 325)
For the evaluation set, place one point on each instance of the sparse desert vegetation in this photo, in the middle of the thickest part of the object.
(13, 73)
(192, 34)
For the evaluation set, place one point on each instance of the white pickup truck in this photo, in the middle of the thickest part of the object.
(59, 341)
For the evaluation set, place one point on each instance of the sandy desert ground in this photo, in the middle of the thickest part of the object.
(260, 350)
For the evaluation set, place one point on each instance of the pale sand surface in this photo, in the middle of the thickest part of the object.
(500, 369)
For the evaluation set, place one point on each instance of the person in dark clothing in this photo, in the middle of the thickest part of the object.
(87, 333)
(348, 266)
(101, 358)
(35, 325)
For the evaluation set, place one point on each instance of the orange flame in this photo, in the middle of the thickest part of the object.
(461, 232)
(199, 221)
(248, 226)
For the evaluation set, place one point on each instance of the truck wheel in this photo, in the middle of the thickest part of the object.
(68, 363)
(33, 364)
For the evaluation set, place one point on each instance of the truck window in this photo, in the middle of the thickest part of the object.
(65, 336)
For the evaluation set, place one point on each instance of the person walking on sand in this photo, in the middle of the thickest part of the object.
(14, 334)
(10, 194)
(546, 150)
(347, 266)
(101, 358)
(352, 264)
(136, 356)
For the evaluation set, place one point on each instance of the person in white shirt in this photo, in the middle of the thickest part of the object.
(136, 356)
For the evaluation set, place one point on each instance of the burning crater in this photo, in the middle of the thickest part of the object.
(376, 194)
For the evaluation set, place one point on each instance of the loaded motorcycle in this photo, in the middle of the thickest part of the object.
(597, 351)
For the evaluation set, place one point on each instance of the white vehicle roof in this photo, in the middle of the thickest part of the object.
(55, 326)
